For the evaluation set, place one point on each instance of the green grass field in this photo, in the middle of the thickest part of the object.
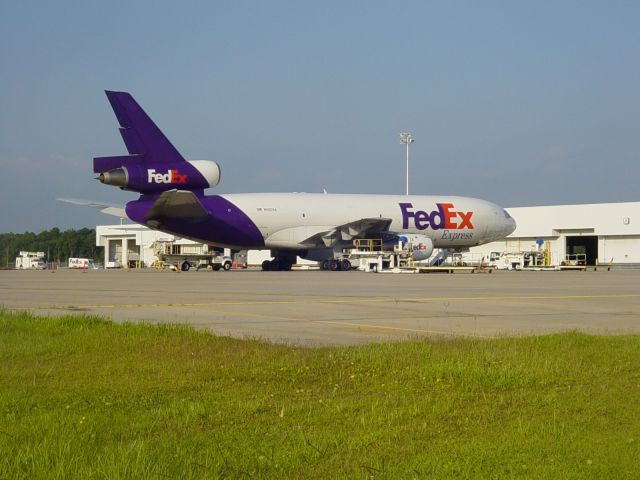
(82, 397)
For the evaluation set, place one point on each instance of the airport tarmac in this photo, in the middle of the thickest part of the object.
(335, 308)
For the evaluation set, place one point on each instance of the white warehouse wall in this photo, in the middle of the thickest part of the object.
(617, 226)
(600, 218)
(621, 249)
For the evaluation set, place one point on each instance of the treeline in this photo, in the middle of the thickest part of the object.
(56, 245)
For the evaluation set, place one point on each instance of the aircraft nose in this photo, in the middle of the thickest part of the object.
(510, 226)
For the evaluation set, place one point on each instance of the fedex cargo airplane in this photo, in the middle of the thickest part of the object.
(312, 226)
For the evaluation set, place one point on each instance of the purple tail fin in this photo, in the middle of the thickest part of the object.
(141, 136)
(153, 164)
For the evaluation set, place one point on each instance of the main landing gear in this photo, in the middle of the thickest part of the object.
(278, 264)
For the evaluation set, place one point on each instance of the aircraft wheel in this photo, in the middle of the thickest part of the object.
(334, 265)
(266, 265)
(324, 265)
(275, 265)
(185, 266)
(345, 265)
(227, 266)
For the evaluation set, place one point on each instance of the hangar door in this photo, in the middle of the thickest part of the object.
(586, 245)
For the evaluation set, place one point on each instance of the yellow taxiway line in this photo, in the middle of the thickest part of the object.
(376, 299)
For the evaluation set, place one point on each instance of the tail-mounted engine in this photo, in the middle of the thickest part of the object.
(129, 173)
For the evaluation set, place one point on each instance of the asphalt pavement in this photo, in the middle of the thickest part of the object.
(335, 308)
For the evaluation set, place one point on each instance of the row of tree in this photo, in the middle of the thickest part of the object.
(57, 246)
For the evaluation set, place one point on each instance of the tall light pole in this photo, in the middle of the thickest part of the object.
(406, 139)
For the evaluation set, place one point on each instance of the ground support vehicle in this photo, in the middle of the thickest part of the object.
(83, 263)
(184, 257)
(521, 260)
(371, 255)
(31, 261)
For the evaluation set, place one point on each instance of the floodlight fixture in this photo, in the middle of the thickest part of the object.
(406, 139)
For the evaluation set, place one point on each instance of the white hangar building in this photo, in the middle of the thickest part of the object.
(606, 232)
(133, 245)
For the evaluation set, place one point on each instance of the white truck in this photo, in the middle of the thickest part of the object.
(31, 261)
(81, 263)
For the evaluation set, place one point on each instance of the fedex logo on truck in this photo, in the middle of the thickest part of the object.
(444, 217)
(172, 176)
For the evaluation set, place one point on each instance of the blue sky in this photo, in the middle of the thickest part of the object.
(521, 103)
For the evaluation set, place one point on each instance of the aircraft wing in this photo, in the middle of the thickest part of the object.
(176, 204)
(362, 228)
(107, 208)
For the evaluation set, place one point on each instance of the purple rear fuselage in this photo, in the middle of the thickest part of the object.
(224, 225)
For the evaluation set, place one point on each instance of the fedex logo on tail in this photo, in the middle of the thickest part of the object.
(172, 176)
(444, 217)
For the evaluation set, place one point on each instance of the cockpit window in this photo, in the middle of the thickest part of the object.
(506, 214)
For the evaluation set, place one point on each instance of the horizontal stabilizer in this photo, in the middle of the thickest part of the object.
(106, 208)
(176, 204)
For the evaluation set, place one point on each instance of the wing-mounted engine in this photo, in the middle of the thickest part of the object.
(421, 246)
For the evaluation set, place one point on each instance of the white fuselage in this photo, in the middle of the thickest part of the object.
(287, 219)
